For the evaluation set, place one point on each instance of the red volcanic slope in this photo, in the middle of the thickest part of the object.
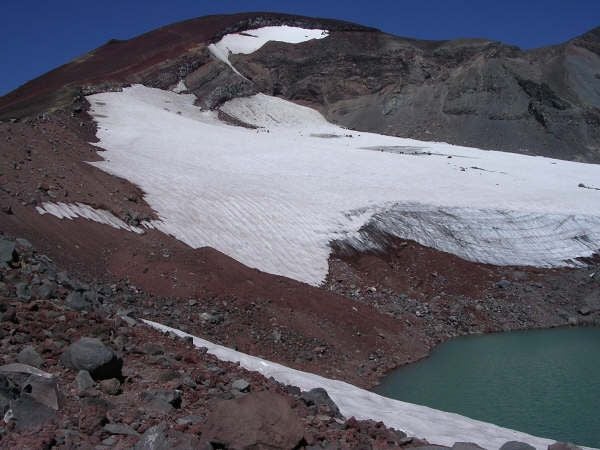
(122, 62)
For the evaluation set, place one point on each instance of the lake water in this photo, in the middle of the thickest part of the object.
(543, 382)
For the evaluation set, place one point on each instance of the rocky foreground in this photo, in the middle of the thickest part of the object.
(80, 371)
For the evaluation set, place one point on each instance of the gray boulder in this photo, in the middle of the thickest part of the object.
(92, 355)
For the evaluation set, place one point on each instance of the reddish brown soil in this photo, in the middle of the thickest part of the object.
(47, 160)
(444, 296)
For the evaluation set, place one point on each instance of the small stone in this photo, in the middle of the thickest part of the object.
(111, 386)
(189, 420)
(46, 290)
(30, 356)
(241, 385)
(585, 311)
(162, 400)
(371, 289)
(120, 428)
(503, 284)
(23, 291)
(7, 251)
(76, 301)
(84, 381)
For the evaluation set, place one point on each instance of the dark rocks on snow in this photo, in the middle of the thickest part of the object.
(516, 445)
(92, 355)
(466, 446)
(563, 446)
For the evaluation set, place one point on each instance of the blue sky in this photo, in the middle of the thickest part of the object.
(38, 35)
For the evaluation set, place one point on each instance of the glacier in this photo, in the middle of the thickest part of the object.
(275, 197)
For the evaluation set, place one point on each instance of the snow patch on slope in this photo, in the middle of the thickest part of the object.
(436, 426)
(249, 41)
(275, 200)
(79, 210)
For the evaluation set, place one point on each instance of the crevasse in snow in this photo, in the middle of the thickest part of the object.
(274, 198)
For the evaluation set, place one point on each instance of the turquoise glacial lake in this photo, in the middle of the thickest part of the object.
(542, 382)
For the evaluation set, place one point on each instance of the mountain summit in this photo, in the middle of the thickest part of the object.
(470, 92)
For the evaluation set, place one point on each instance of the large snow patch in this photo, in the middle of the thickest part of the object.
(436, 426)
(274, 198)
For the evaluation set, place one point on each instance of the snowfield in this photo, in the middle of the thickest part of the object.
(436, 426)
(275, 197)
(251, 40)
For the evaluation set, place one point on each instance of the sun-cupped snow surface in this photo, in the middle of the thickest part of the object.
(436, 426)
(74, 210)
(249, 41)
(275, 197)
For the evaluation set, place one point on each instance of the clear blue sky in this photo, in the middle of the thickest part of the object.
(38, 35)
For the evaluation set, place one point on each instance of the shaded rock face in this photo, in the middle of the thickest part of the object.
(467, 92)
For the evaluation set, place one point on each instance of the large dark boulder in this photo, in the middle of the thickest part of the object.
(92, 355)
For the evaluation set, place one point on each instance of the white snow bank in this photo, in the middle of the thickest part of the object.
(276, 200)
(249, 41)
(74, 210)
(436, 426)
